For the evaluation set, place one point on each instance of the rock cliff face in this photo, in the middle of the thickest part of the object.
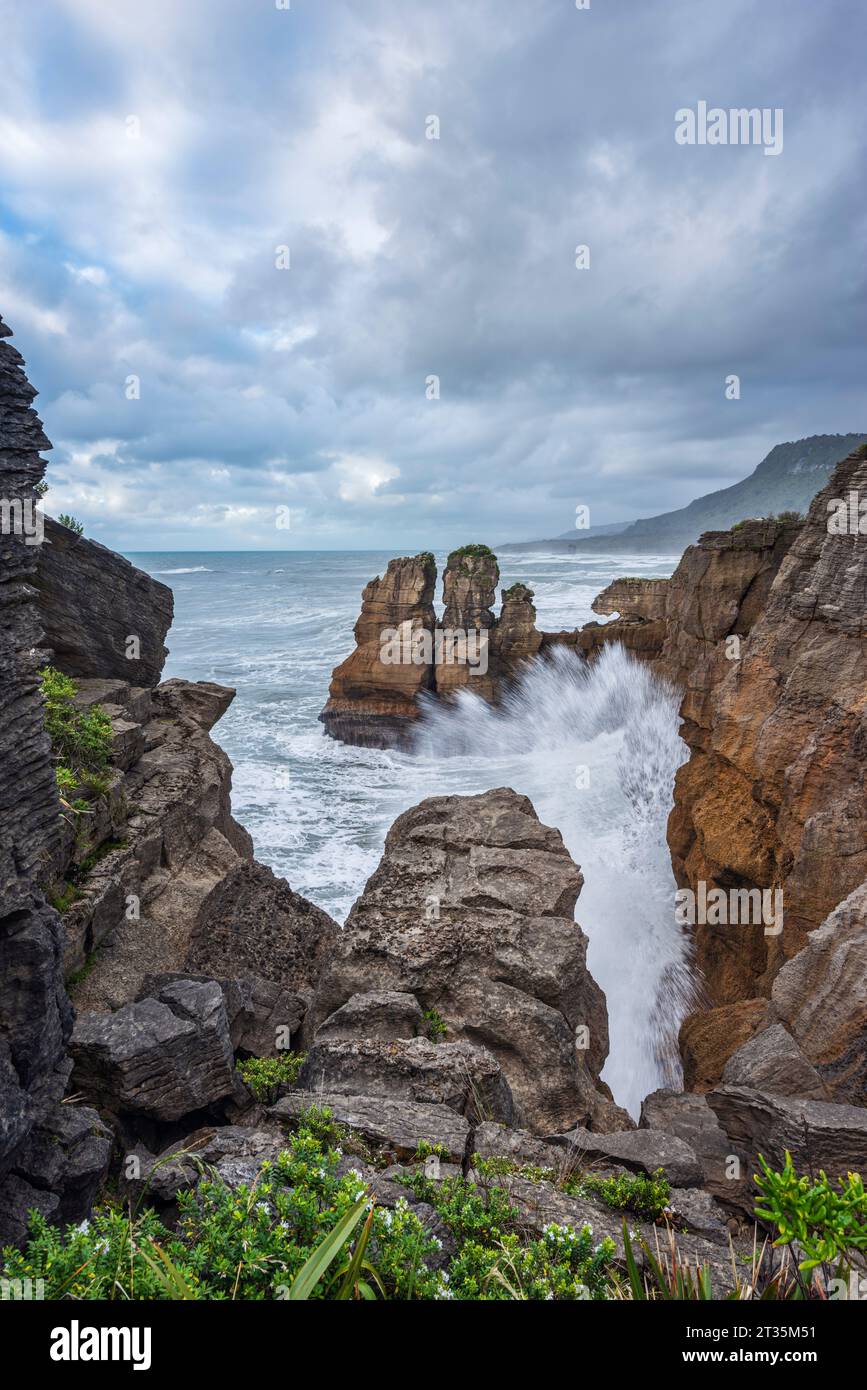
(763, 629)
(139, 868)
(773, 795)
(130, 865)
(43, 1162)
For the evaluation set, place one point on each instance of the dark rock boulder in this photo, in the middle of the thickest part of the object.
(640, 1150)
(687, 1116)
(252, 922)
(178, 1168)
(162, 1058)
(92, 602)
(59, 1170)
(264, 1019)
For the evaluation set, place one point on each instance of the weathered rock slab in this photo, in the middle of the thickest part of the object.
(398, 1125)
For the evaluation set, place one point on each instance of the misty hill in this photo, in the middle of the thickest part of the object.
(786, 480)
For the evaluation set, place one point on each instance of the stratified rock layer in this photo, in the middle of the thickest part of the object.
(469, 592)
(402, 652)
(35, 1017)
(821, 996)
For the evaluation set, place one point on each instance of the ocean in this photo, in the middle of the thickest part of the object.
(596, 750)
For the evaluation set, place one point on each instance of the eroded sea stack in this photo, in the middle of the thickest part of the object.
(373, 698)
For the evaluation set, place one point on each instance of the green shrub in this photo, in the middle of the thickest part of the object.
(69, 521)
(645, 1196)
(264, 1075)
(827, 1222)
(80, 739)
(476, 550)
(518, 591)
(433, 1027)
(495, 1260)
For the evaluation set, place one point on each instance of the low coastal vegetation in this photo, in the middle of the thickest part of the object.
(80, 738)
(263, 1076)
(310, 1226)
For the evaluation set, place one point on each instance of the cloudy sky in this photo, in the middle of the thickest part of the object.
(154, 157)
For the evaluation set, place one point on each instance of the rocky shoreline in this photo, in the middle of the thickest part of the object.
(452, 1021)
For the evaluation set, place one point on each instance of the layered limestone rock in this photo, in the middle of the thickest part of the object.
(470, 912)
(99, 613)
(818, 1135)
(640, 625)
(821, 997)
(35, 1016)
(681, 624)
(372, 699)
(773, 794)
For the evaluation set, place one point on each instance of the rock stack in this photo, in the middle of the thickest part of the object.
(372, 699)
(374, 694)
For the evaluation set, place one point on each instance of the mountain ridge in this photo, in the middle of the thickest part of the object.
(787, 479)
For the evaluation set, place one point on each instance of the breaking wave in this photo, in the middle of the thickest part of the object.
(595, 746)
